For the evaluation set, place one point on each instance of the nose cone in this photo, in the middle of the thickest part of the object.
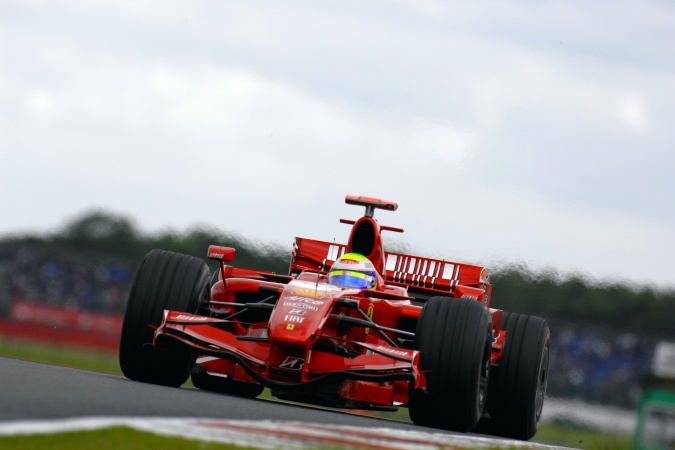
(301, 312)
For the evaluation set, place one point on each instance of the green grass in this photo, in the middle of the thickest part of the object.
(113, 438)
(553, 434)
(61, 356)
(108, 363)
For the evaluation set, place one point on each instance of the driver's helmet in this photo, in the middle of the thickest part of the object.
(353, 270)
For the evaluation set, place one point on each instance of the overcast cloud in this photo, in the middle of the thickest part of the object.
(519, 131)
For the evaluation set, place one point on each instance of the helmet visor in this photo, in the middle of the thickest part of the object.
(351, 279)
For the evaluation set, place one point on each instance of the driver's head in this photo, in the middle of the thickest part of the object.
(353, 270)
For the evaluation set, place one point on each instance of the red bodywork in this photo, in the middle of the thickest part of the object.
(315, 342)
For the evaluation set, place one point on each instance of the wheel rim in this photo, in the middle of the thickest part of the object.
(541, 383)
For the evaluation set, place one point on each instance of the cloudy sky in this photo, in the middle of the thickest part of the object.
(537, 132)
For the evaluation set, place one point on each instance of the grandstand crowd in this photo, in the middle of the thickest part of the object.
(598, 365)
(69, 281)
(589, 363)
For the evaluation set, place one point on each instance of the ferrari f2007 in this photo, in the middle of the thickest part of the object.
(350, 325)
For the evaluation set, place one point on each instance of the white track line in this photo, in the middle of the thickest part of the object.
(270, 434)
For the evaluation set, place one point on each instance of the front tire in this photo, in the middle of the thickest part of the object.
(163, 280)
(454, 337)
(518, 382)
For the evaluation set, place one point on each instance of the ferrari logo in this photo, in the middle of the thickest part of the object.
(290, 326)
(371, 309)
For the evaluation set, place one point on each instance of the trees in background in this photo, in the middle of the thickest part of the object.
(104, 234)
(574, 299)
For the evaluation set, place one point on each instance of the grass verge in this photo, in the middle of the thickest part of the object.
(553, 434)
(61, 356)
(112, 438)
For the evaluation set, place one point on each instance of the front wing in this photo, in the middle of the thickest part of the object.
(377, 374)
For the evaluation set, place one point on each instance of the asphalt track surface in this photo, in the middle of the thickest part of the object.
(34, 391)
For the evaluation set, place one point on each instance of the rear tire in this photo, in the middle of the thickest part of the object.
(454, 337)
(518, 382)
(163, 280)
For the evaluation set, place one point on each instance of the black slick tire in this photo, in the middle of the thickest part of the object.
(163, 280)
(454, 337)
(518, 383)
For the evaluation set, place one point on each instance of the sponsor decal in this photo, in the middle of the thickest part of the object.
(392, 351)
(296, 319)
(290, 326)
(348, 261)
(221, 253)
(301, 305)
(308, 292)
(295, 298)
(484, 276)
(310, 289)
(292, 363)
(297, 312)
(469, 297)
(193, 318)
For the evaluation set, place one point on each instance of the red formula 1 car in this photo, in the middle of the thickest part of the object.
(406, 331)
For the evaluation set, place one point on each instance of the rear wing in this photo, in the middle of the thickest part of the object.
(423, 277)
